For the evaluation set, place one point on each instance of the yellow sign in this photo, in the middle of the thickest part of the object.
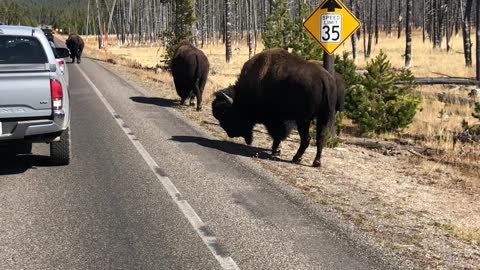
(331, 24)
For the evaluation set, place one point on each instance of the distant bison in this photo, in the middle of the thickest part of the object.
(278, 90)
(190, 69)
(75, 44)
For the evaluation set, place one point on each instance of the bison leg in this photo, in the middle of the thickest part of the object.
(182, 101)
(322, 127)
(198, 93)
(192, 100)
(79, 56)
(304, 131)
(276, 148)
(279, 132)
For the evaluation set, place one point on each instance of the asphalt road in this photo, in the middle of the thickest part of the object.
(148, 190)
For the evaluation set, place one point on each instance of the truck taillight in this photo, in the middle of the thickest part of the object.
(61, 65)
(57, 94)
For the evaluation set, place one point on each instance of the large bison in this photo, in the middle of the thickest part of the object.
(190, 69)
(279, 90)
(75, 44)
(340, 90)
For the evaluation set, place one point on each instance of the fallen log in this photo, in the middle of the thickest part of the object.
(390, 145)
(434, 81)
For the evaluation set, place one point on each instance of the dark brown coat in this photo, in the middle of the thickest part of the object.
(275, 88)
(75, 44)
(190, 68)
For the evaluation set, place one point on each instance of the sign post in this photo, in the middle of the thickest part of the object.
(331, 24)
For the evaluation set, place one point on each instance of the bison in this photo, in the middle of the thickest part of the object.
(340, 90)
(278, 90)
(75, 44)
(190, 69)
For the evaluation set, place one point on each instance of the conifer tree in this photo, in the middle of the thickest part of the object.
(184, 19)
(376, 104)
(279, 27)
(476, 113)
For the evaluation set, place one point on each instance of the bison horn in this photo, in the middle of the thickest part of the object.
(228, 98)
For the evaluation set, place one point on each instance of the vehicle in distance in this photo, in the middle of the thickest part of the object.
(48, 33)
(34, 99)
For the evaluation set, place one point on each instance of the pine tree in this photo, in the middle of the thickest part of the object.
(184, 19)
(278, 31)
(476, 113)
(376, 104)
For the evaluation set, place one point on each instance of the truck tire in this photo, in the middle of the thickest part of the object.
(60, 151)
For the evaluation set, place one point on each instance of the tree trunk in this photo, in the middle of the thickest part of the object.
(478, 40)
(467, 43)
(354, 36)
(228, 30)
(100, 31)
(400, 19)
(408, 34)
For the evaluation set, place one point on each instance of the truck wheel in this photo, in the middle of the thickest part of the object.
(60, 151)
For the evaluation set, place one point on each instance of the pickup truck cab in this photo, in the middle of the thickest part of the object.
(34, 98)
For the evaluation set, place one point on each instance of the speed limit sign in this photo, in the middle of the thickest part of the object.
(331, 24)
(331, 28)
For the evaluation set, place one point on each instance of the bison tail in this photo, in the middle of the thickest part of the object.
(197, 71)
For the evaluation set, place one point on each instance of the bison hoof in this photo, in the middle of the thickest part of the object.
(199, 109)
(296, 160)
(317, 164)
(276, 153)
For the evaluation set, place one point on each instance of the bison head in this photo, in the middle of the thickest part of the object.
(229, 116)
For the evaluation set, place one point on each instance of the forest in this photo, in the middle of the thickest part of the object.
(217, 21)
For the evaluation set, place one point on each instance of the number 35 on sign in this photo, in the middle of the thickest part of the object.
(331, 27)
(331, 24)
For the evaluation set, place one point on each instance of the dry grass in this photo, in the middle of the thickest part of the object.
(426, 61)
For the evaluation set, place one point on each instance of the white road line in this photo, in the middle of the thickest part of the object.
(226, 262)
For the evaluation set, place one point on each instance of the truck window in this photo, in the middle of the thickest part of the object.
(21, 50)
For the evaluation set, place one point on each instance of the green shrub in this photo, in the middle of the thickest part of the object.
(376, 104)
(476, 110)
(284, 30)
(184, 19)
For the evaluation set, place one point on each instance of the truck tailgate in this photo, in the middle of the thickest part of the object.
(25, 92)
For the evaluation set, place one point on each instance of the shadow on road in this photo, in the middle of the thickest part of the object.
(16, 164)
(229, 147)
(156, 101)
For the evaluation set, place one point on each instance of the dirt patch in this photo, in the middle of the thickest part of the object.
(424, 211)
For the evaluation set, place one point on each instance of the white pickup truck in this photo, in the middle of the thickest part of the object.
(34, 98)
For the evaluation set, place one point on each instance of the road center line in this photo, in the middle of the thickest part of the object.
(226, 262)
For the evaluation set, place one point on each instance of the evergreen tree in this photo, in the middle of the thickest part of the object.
(184, 19)
(279, 30)
(376, 104)
(476, 113)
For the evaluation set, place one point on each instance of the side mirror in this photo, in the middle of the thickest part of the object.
(62, 52)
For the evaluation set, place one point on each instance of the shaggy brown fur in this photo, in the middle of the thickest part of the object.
(190, 69)
(75, 44)
(275, 87)
(340, 82)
